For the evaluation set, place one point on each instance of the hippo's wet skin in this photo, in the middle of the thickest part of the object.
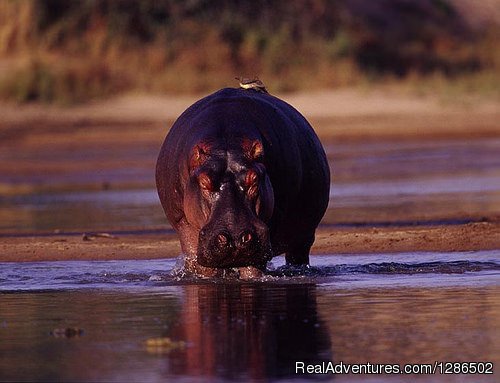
(242, 177)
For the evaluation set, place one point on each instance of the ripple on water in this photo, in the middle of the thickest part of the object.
(328, 270)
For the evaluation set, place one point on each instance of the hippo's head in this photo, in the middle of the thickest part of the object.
(229, 198)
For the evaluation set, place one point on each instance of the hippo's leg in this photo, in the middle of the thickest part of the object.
(298, 253)
(188, 237)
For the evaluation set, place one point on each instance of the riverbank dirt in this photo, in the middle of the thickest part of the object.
(144, 245)
(38, 146)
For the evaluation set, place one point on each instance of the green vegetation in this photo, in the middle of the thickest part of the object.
(72, 51)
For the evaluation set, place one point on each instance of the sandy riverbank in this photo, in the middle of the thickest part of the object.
(143, 245)
(355, 112)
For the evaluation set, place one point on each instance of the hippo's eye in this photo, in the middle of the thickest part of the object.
(205, 182)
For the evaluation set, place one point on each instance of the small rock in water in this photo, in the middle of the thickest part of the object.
(164, 345)
(92, 236)
(68, 332)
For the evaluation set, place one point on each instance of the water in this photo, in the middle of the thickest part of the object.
(377, 308)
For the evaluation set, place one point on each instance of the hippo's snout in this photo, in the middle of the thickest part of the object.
(225, 248)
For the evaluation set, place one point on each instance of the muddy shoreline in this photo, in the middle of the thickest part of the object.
(329, 240)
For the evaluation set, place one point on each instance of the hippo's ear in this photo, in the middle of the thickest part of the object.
(254, 150)
(199, 156)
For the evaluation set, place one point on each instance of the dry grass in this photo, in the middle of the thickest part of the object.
(69, 52)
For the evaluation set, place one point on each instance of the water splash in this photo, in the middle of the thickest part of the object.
(325, 270)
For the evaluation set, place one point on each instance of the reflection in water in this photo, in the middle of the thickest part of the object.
(233, 331)
(250, 330)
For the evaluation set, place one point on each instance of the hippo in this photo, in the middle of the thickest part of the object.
(242, 177)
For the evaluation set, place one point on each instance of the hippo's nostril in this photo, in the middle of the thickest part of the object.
(246, 237)
(222, 239)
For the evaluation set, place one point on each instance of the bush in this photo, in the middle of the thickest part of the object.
(71, 51)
